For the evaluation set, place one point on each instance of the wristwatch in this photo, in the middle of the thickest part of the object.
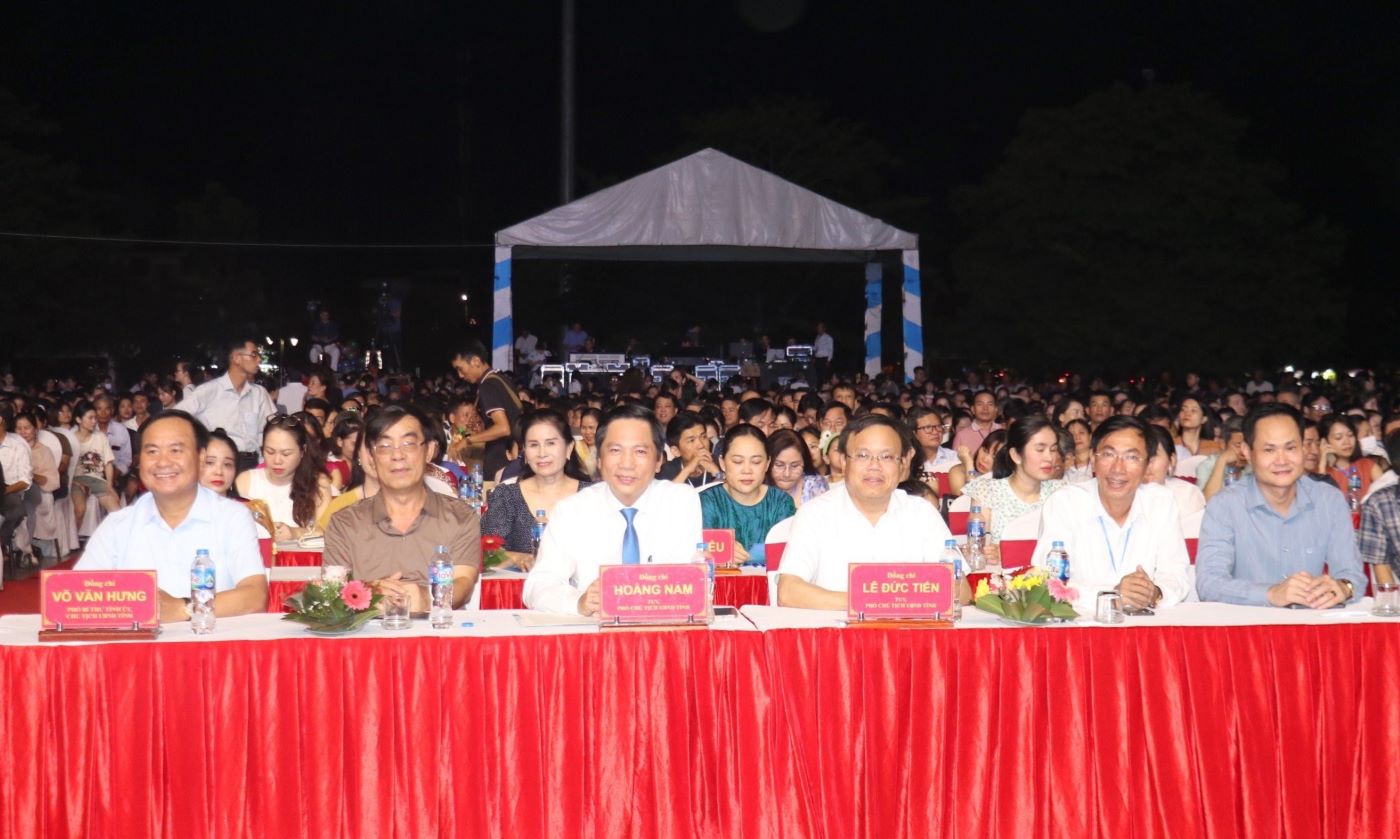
(1351, 589)
(189, 608)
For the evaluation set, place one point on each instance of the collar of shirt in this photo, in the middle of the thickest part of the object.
(379, 513)
(849, 508)
(1134, 512)
(1302, 500)
(202, 510)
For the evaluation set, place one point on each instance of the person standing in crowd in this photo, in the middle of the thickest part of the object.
(865, 519)
(496, 402)
(325, 341)
(184, 378)
(176, 517)
(574, 340)
(744, 502)
(525, 346)
(1272, 539)
(630, 517)
(823, 353)
(235, 402)
(550, 474)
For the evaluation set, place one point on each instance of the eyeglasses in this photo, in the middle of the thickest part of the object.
(929, 428)
(881, 458)
(787, 467)
(387, 447)
(1128, 458)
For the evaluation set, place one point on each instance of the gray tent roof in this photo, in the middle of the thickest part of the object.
(703, 206)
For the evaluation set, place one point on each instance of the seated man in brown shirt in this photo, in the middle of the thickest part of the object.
(389, 540)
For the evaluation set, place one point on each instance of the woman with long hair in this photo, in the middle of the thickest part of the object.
(1341, 455)
(292, 481)
(745, 503)
(1195, 430)
(343, 443)
(549, 474)
(96, 469)
(1022, 475)
(1079, 463)
(790, 467)
(975, 464)
(219, 469)
(586, 446)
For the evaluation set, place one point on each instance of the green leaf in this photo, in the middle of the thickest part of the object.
(991, 603)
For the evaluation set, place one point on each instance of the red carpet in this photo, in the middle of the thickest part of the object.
(22, 596)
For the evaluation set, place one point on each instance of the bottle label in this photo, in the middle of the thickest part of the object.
(440, 573)
(202, 578)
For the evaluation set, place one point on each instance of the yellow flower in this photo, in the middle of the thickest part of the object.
(982, 590)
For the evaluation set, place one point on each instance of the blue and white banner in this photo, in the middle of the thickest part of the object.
(913, 315)
(502, 330)
(874, 306)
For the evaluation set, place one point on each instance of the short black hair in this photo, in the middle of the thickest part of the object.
(387, 416)
(7, 415)
(1159, 440)
(316, 403)
(835, 406)
(750, 409)
(201, 434)
(627, 411)
(680, 424)
(474, 349)
(234, 345)
(865, 421)
(1117, 423)
(1270, 409)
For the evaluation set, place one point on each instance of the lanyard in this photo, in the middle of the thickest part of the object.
(1128, 534)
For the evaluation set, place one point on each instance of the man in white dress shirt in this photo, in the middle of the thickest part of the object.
(630, 516)
(117, 435)
(1120, 532)
(862, 519)
(235, 402)
(164, 527)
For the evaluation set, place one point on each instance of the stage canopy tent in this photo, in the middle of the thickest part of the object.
(709, 206)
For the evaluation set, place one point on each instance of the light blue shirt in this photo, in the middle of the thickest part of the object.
(137, 538)
(1246, 546)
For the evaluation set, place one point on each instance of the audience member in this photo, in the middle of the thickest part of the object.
(235, 402)
(744, 503)
(550, 474)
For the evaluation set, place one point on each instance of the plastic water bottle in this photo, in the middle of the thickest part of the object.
(976, 528)
(537, 530)
(702, 554)
(1232, 474)
(1354, 497)
(202, 593)
(440, 589)
(1057, 560)
(954, 557)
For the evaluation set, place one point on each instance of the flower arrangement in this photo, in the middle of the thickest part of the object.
(336, 603)
(1033, 597)
(493, 551)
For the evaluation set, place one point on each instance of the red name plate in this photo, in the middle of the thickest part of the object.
(720, 545)
(99, 599)
(652, 593)
(883, 591)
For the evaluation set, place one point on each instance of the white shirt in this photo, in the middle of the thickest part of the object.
(15, 460)
(120, 441)
(241, 414)
(50, 441)
(137, 538)
(525, 344)
(1389, 478)
(291, 397)
(829, 534)
(1101, 553)
(586, 531)
(823, 346)
(1189, 498)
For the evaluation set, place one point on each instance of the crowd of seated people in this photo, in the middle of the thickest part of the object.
(1130, 458)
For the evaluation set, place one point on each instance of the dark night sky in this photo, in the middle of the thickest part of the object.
(339, 123)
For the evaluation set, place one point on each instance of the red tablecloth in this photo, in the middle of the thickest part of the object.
(305, 558)
(1133, 732)
(730, 590)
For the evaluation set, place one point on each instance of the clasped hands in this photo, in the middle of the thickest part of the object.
(1303, 589)
(1138, 591)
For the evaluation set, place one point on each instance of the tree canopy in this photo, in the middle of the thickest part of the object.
(1132, 228)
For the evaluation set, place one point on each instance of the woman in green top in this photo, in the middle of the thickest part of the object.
(744, 502)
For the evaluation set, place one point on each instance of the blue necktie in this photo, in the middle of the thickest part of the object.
(631, 550)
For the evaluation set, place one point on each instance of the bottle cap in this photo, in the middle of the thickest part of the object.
(1057, 545)
(950, 543)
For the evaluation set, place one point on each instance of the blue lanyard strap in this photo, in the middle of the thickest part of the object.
(1108, 543)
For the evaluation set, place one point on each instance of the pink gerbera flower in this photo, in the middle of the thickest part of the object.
(355, 594)
(1062, 592)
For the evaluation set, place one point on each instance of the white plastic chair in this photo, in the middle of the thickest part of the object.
(961, 504)
(1022, 527)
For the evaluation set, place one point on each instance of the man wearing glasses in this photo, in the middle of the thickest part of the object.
(1121, 533)
(862, 519)
(235, 402)
(389, 539)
